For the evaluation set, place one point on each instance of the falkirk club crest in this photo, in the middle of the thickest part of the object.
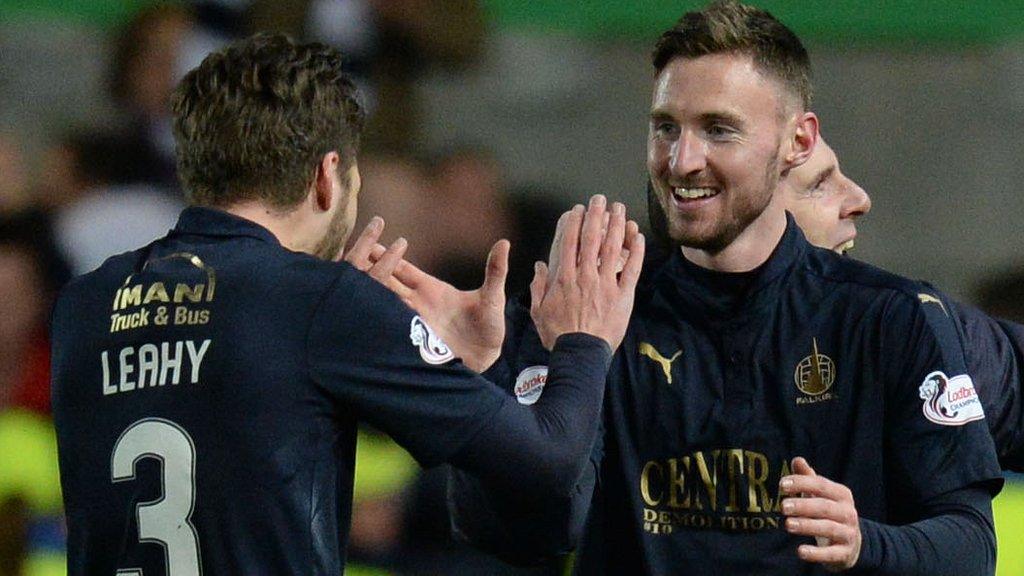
(814, 376)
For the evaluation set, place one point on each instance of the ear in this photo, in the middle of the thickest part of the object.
(804, 139)
(326, 185)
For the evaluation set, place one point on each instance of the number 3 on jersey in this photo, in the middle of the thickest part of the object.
(166, 520)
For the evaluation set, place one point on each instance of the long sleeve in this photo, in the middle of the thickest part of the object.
(955, 537)
(520, 528)
(994, 351)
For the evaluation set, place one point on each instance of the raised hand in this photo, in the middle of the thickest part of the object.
(371, 257)
(582, 291)
(819, 507)
(471, 322)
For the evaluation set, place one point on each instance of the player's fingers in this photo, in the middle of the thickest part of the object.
(612, 247)
(830, 531)
(493, 290)
(802, 467)
(568, 250)
(820, 508)
(410, 275)
(632, 229)
(376, 252)
(538, 286)
(592, 233)
(554, 254)
(384, 268)
(360, 251)
(834, 554)
(634, 263)
(815, 486)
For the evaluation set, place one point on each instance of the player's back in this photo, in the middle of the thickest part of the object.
(192, 437)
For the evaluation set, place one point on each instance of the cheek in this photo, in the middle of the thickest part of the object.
(658, 154)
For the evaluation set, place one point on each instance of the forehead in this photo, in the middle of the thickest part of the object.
(714, 84)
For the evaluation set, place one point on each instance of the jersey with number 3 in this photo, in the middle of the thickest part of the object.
(206, 390)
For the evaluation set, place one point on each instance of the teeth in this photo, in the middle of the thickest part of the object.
(690, 193)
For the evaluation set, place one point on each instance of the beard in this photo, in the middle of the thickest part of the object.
(671, 230)
(334, 240)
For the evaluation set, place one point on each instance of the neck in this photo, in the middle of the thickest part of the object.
(750, 249)
(286, 225)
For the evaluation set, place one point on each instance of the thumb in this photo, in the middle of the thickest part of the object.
(801, 467)
(493, 289)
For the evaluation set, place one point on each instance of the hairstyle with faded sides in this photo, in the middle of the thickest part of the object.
(253, 121)
(727, 26)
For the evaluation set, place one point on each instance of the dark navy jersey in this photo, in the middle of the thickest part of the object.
(206, 391)
(722, 379)
(994, 349)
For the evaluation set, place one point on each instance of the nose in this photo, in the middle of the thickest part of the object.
(688, 155)
(857, 201)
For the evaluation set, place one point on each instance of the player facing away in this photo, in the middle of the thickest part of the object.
(774, 408)
(206, 387)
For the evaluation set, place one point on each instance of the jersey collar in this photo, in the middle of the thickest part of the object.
(197, 220)
(707, 293)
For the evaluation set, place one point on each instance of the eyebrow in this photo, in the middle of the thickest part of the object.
(721, 117)
(822, 176)
(706, 118)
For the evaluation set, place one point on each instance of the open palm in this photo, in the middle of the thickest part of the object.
(471, 322)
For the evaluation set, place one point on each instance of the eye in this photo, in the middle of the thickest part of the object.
(666, 130)
(720, 131)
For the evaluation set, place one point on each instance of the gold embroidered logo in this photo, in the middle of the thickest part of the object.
(926, 298)
(666, 363)
(814, 375)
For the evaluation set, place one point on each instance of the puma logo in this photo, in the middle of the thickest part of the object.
(926, 298)
(665, 363)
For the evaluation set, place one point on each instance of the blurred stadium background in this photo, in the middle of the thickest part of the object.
(489, 118)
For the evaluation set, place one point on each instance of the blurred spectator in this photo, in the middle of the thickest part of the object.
(32, 534)
(14, 185)
(24, 345)
(147, 63)
(384, 474)
(390, 43)
(150, 55)
(470, 212)
(398, 189)
(94, 217)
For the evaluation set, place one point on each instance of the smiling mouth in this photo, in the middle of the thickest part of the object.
(691, 194)
(844, 247)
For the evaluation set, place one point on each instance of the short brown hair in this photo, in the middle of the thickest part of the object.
(728, 26)
(254, 119)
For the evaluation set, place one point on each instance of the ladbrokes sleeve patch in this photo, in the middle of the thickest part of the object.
(530, 384)
(950, 401)
(433, 350)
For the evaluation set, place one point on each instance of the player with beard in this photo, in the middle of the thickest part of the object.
(826, 203)
(774, 408)
(206, 388)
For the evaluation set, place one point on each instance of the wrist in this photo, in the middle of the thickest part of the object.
(483, 361)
